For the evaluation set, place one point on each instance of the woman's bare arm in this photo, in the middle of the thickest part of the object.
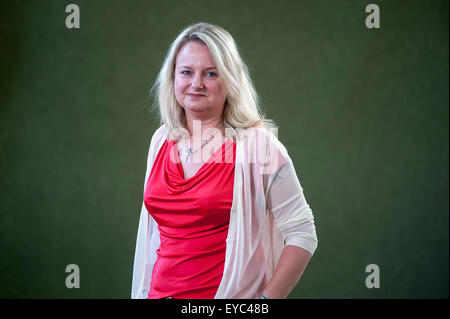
(292, 263)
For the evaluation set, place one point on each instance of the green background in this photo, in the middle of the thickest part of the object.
(362, 112)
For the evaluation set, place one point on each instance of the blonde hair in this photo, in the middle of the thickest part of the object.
(241, 109)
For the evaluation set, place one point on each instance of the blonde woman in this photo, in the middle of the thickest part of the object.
(223, 213)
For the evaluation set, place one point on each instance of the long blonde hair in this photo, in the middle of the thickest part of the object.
(241, 109)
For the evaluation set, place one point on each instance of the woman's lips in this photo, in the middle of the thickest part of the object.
(196, 95)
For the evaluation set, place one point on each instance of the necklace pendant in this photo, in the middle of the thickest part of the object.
(190, 152)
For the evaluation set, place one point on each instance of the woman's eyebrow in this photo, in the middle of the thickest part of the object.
(189, 67)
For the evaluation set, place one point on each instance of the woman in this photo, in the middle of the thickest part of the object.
(223, 214)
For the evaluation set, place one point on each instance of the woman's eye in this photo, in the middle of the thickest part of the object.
(211, 74)
(186, 72)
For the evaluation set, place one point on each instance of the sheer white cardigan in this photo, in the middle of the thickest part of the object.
(268, 212)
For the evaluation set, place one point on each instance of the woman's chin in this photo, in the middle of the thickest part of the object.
(198, 108)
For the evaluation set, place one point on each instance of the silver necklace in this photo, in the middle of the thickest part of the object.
(190, 151)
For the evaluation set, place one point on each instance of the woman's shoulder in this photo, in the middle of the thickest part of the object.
(262, 145)
(264, 135)
(159, 133)
(257, 132)
(157, 136)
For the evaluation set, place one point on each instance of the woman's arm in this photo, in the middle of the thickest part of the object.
(292, 217)
(290, 268)
(295, 221)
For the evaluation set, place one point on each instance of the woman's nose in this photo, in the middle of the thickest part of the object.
(197, 81)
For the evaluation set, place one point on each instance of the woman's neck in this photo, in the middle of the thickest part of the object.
(197, 128)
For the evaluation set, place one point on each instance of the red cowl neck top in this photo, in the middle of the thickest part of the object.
(193, 216)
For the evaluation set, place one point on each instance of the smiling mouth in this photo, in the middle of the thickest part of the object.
(196, 95)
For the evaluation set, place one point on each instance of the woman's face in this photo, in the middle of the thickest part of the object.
(198, 86)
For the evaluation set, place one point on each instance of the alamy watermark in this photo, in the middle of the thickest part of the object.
(73, 19)
(373, 279)
(258, 146)
(373, 19)
(73, 280)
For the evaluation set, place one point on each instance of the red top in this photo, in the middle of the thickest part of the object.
(193, 216)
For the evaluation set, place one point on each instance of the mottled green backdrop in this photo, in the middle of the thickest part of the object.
(363, 113)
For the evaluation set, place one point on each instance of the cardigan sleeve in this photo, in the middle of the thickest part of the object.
(142, 268)
(286, 201)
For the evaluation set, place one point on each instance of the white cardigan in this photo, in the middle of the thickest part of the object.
(268, 212)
